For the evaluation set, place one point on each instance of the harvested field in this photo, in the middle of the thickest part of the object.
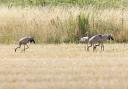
(64, 66)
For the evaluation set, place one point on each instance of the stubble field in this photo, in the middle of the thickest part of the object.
(64, 66)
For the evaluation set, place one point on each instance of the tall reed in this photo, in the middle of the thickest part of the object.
(61, 24)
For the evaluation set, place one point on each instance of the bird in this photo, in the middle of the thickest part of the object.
(100, 38)
(24, 41)
(86, 40)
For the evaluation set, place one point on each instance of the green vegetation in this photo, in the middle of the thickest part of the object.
(98, 3)
(59, 24)
(62, 21)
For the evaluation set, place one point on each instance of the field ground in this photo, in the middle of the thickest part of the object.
(64, 66)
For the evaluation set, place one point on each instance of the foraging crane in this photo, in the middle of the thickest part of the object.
(86, 40)
(24, 41)
(99, 39)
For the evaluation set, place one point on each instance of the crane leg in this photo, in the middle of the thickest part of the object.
(17, 47)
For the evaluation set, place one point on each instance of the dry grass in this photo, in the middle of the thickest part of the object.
(59, 24)
(64, 66)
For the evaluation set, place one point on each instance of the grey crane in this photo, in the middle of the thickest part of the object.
(98, 40)
(24, 41)
(86, 40)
